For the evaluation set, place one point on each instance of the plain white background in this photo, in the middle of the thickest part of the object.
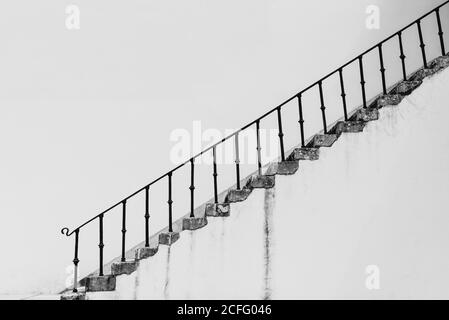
(86, 115)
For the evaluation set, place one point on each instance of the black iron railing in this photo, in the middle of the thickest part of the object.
(256, 123)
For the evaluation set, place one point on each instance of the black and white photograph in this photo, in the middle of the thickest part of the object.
(224, 151)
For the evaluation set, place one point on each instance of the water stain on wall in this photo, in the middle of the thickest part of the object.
(167, 275)
(269, 203)
(136, 284)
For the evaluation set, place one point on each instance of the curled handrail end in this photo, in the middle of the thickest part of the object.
(66, 231)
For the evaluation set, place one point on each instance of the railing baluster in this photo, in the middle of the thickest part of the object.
(301, 119)
(421, 44)
(147, 216)
(402, 57)
(170, 204)
(323, 107)
(281, 134)
(343, 93)
(362, 81)
(440, 32)
(75, 262)
(101, 244)
(214, 153)
(237, 160)
(259, 160)
(192, 187)
(382, 69)
(123, 229)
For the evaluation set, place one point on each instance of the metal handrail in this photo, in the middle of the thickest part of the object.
(256, 122)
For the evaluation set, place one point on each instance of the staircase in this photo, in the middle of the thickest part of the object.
(265, 176)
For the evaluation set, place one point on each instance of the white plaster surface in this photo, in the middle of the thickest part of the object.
(87, 115)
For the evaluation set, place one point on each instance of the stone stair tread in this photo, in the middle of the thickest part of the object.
(194, 223)
(168, 238)
(348, 127)
(261, 182)
(387, 100)
(217, 209)
(323, 140)
(235, 195)
(100, 283)
(287, 167)
(305, 154)
(146, 252)
(406, 87)
(365, 114)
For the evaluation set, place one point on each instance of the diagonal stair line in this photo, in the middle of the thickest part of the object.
(358, 119)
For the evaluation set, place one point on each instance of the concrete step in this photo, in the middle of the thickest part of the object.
(124, 267)
(421, 74)
(237, 195)
(386, 100)
(365, 114)
(283, 168)
(217, 210)
(168, 238)
(100, 283)
(73, 296)
(434, 66)
(348, 127)
(440, 63)
(406, 87)
(193, 223)
(311, 154)
(322, 140)
(261, 182)
(146, 252)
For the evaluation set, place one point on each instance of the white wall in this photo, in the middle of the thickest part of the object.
(374, 198)
(87, 115)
